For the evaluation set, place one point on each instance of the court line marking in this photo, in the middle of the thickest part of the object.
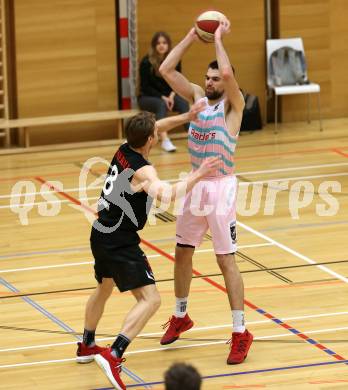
(81, 291)
(7, 206)
(43, 253)
(37, 363)
(292, 251)
(57, 190)
(58, 322)
(248, 303)
(39, 308)
(276, 320)
(303, 226)
(247, 173)
(50, 192)
(231, 374)
(339, 151)
(289, 169)
(92, 262)
(47, 267)
(195, 329)
(140, 351)
(254, 156)
(293, 178)
(14, 255)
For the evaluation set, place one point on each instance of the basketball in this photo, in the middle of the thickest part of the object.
(207, 23)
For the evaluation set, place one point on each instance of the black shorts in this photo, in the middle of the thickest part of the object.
(127, 265)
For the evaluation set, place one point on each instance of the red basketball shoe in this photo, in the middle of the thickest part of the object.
(112, 367)
(240, 344)
(175, 326)
(85, 354)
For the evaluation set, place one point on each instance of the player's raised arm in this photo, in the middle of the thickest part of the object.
(233, 92)
(178, 82)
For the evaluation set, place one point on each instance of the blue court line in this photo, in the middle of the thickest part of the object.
(60, 323)
(40, 308)
(244, 373)
(295, 331)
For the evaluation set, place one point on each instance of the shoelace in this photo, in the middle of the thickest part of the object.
(167, 324)
(239, 346)
(118, 366)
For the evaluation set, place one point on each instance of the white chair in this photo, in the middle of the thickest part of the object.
(297, 44)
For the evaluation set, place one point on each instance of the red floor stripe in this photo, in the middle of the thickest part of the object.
(254, 156)
(67, 196)
(338, 151)
(210, 281)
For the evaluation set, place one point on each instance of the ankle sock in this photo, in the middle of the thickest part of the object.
(88, 337)
(120, 345)
(238, 321)
(181, 307)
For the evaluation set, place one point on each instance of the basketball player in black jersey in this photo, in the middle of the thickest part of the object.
(129, 189)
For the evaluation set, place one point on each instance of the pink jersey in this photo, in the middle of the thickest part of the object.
(209, 137)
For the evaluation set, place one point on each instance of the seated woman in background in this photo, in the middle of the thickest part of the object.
(155, 94)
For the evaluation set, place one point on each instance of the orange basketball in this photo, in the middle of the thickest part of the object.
(207, 23)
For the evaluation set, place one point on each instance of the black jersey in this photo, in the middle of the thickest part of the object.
(119, 208)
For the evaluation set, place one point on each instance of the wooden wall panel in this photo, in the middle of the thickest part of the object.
(339, 57)
(245, 43)
(66, 63)
(66, 54)
(324, 30)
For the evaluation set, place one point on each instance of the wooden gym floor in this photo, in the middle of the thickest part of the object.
(294, 266)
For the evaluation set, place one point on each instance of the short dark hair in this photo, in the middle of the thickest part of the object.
(139, 128)
(214, 65)
(182, 376)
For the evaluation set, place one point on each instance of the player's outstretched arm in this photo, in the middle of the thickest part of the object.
(171, 122)
(146, 179)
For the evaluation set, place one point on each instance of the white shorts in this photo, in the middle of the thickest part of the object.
(211, 204)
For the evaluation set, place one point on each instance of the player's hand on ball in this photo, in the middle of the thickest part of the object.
(193, 34)
(224, 28)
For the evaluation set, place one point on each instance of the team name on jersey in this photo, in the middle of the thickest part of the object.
(121, 159)
(201, 136)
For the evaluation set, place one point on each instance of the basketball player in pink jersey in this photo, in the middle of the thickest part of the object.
(212, 204)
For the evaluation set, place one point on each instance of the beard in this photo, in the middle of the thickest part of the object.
(213, 95)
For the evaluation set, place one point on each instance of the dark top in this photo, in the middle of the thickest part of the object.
(119, 208)
(152, 84)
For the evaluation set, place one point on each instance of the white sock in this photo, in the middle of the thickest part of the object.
(181, 307)
(238, 321)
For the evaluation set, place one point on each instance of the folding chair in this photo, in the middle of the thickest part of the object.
(297, 44)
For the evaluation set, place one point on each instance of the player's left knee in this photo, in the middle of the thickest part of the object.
(155, 301)
(225, 261)
(105, 288)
